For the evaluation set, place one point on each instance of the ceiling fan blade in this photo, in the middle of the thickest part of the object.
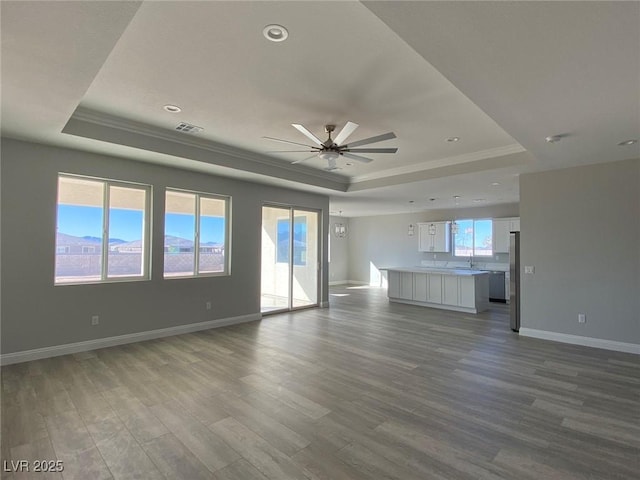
(307, 133)
(304, 159)
(373, 150)
(357, 157)
(289, 151)
(287, 141)
(347, 130)
(378, 138)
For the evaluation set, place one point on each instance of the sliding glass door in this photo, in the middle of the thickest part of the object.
(304, 278)
(276, 271)
(290, 258)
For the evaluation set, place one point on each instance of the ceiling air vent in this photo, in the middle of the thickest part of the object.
(188, 128)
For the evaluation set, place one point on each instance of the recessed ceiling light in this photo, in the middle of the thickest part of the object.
(495, 184)
(453, 139)
(275, 33)
(172, 108)
(478, 200)
(456, 197)
(411, 201)
(628, 142)
(348, 164)
(553, 138)
(432, 199)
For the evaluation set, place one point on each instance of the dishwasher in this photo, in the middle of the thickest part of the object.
(496, 287)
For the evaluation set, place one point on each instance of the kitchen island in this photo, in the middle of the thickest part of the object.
(462, 290)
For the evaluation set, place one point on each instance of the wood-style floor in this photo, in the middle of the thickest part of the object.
(362, 390)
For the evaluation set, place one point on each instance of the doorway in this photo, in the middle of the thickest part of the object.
(290, 258)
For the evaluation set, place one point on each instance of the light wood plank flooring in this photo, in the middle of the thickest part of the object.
(362, 390)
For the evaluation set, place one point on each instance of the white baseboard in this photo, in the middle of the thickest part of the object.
(347, 282)
(579, 340)
(56, 350)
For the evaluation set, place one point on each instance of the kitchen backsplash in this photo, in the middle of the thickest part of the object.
(476, 265)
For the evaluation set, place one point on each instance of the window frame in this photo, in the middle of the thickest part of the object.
(104, 261)
(473, 237)
(196, 243)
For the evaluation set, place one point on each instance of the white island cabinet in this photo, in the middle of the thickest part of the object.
(449, 289)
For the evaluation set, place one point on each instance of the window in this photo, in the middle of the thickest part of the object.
(195, 222)
(299, 241)
(102, 230)
(473, 238)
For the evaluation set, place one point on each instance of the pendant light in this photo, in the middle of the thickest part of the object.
(339, 228)
(454, 224)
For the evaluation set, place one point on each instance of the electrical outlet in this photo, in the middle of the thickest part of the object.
(208, 305)
(95, 320)
(529, 269)
(582, 318)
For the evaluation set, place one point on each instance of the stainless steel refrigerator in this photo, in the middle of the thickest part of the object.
(514, 280)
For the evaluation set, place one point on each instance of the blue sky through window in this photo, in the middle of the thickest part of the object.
(183, 226)
(83, 221)
(124, 224)
(80, 221)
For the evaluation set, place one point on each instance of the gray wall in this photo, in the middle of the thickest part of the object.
(383, 241)
(580, 229)
(339, 254)
(36, 314)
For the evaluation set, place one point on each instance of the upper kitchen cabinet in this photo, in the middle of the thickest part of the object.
(501, 235)
(501, 229)
(434, 237)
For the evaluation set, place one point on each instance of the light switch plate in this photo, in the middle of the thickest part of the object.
(529, 269)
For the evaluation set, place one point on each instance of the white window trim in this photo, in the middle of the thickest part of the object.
(196, 243)
(146, 232)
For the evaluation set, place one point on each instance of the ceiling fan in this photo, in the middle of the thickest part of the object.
(331, 149)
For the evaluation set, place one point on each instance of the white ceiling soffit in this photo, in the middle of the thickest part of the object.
(51, 52)
(538, 68)
(211, 59)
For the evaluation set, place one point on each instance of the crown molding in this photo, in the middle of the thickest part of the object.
(520, 159)
(441, 162)
(101, 126)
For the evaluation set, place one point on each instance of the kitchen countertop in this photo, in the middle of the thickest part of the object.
(445, 271)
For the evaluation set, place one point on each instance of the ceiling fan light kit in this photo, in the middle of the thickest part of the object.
(332, 149)
(329, 155)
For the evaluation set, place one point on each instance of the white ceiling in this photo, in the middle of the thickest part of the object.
(500, 75)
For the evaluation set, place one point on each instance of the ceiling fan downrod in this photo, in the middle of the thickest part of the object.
(328, 143)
